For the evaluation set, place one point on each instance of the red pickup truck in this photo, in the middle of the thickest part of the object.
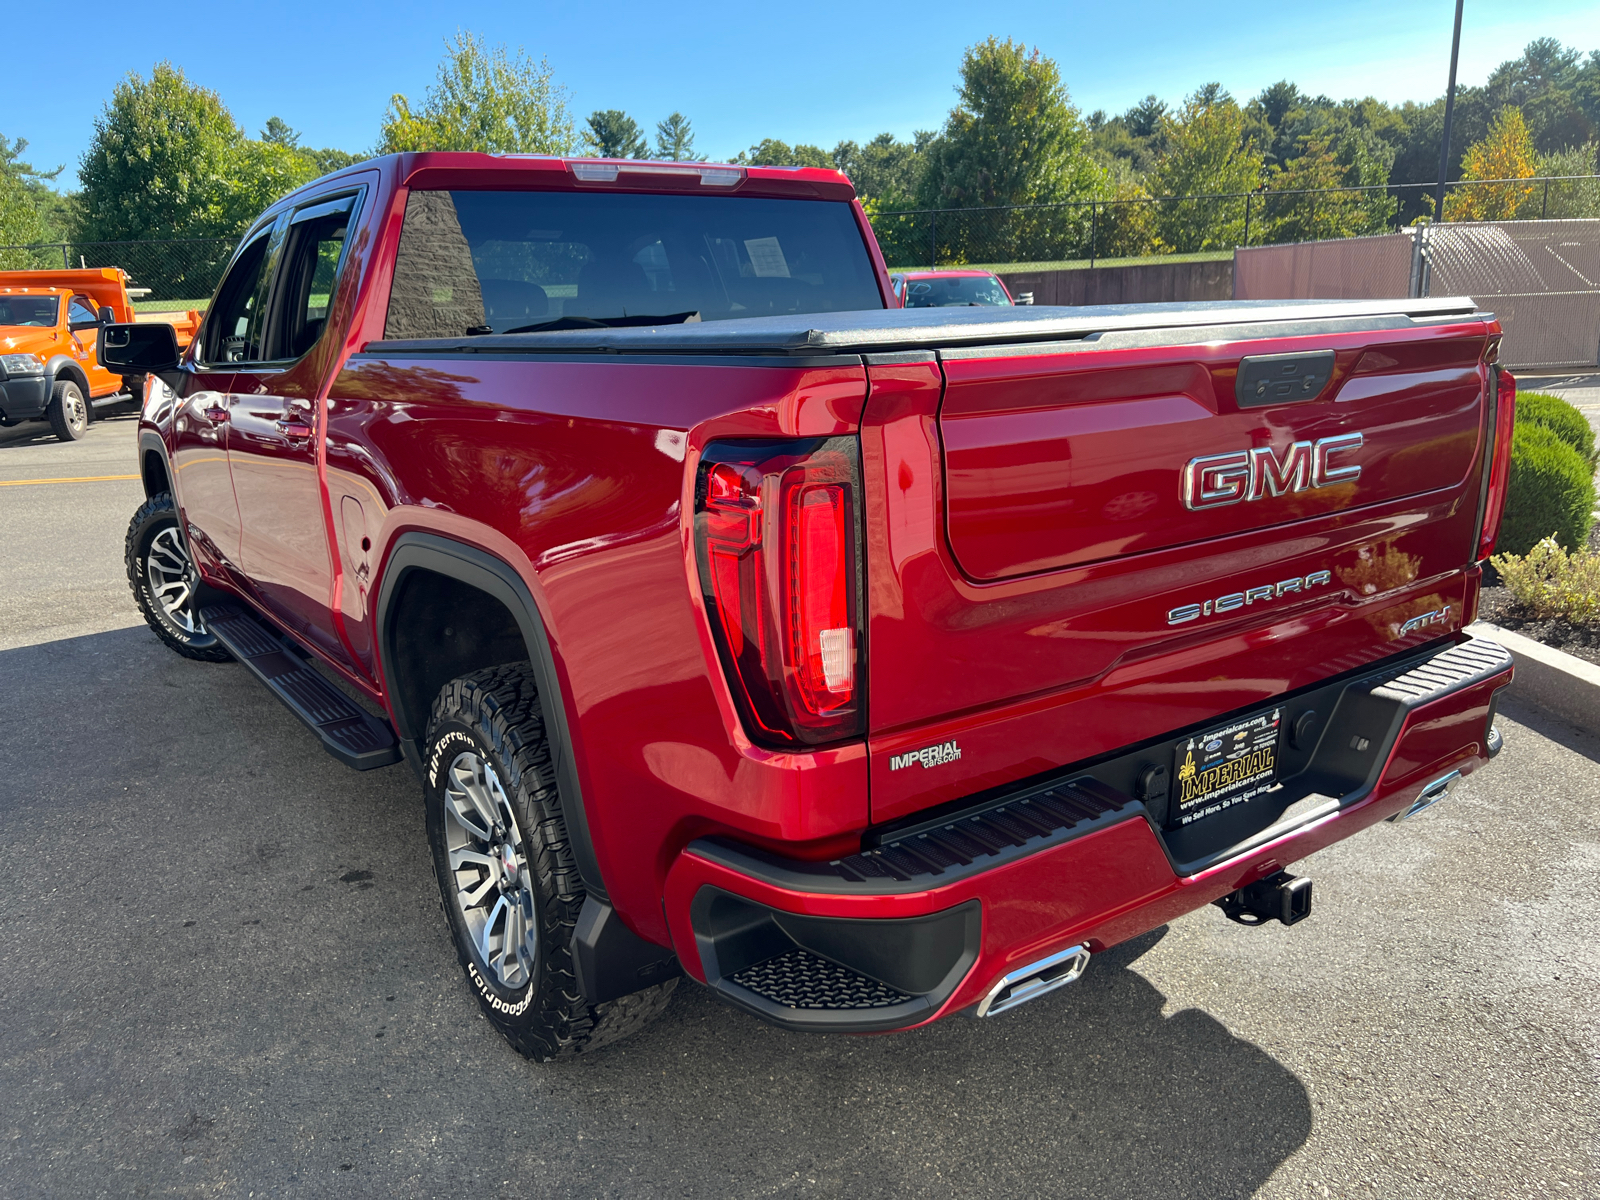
(864, 664)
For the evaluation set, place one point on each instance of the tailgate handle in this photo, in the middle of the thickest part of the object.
(1282, 378)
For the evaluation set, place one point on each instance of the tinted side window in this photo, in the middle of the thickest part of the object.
(235, 325)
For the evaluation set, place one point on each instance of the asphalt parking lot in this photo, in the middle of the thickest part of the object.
(223, 972)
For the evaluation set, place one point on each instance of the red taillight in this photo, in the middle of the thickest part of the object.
(776, 539)
(1499, 467)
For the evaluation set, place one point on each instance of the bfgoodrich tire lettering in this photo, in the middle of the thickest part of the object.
(509, 886)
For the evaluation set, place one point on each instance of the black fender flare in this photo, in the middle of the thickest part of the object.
(495, 577)
(63, 366)
(150, 442)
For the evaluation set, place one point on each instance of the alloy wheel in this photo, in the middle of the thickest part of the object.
(489, 867)
(171, 576)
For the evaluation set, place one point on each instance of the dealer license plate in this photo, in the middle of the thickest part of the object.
(1225, 766)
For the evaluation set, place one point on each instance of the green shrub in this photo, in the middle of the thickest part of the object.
(1556, 415)
(1551, 492)
(1548, 582)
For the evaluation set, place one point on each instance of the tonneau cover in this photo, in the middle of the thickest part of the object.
(897, 329)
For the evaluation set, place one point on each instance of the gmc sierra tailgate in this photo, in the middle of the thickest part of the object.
(1175, 523)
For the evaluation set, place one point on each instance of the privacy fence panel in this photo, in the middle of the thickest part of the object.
(1363, 268)
(1541, 278)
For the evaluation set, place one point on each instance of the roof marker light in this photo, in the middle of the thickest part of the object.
(606, 172)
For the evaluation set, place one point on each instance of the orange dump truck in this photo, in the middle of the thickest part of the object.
(49, 326)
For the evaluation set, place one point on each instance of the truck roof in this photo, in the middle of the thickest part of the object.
(437, 170)
(897, 329)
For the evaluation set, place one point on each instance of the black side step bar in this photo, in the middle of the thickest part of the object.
(348, 732)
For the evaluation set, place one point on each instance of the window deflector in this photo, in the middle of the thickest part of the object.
(286, 252)
(326, 208)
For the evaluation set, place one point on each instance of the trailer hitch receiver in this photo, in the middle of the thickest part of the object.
(1280, 897)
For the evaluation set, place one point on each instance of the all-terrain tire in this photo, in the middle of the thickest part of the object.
(491, 721)
(164, 580)
(68, 410)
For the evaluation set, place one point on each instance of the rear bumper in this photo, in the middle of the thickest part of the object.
(929, 920)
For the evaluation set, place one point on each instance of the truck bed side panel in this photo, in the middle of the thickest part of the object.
(575, 472)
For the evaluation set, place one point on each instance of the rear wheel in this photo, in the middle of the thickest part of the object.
(509, 885)
(164, 580)
(68, 411)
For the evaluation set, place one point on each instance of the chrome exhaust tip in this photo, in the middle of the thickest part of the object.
(1034, 980)
(1429, 796)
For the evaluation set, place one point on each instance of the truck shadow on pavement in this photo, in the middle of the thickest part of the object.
(250, 987)
(39, 433)
(1091, 1092)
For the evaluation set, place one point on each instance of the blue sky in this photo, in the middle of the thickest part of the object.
(743, 71)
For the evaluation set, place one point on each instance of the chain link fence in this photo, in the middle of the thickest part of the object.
(1042, 236)
(183, 269)
(1022, 237)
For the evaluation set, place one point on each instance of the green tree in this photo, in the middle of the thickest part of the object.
(1128, 145)
(30, 209)
(163, 163)
(769, 152)
(1331, 159)
(675, 140)
(485, 99)
(328, 160)
(1014, 137)
(278, 133)
(22, 219)
(320, 162)
(1210, 153)
(614, 134)
(1572, 197)
(885, 170)
(260, 172)
(1543, 84)
(1586, 88)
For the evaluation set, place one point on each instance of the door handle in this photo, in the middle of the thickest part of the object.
(293, 429)
(215, 413)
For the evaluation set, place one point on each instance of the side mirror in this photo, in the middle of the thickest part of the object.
(108, 316)
(141, 349)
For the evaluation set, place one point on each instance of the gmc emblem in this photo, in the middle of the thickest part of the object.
(1218, 479)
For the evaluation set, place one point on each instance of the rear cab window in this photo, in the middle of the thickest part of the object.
(504, 261)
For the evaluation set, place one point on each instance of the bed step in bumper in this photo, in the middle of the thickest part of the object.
(833, 974)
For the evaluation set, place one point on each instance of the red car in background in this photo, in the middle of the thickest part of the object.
(950, 289)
